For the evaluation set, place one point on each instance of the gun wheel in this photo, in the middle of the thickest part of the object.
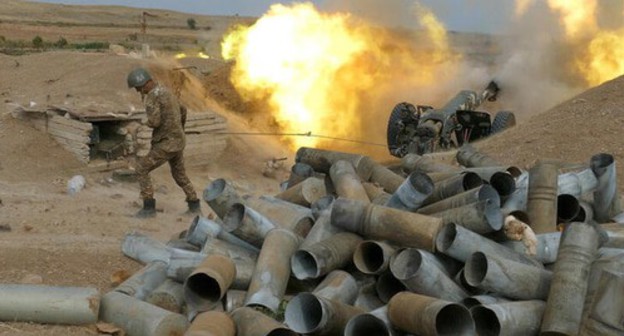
(399, 112)
(502, 121)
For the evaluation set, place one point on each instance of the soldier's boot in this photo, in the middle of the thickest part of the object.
(194, 207)
(149, 209)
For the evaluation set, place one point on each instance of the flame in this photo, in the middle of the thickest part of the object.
(578, 16)
(180, 56)
(201, 54)
(322, 72)
(595, 53)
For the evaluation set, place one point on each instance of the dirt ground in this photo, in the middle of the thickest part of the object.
(55, 239)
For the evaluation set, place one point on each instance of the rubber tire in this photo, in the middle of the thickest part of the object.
(502, 121)
(398, 112)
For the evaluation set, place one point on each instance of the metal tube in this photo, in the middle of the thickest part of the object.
(482, 193)
(270, 277)
(459, 243)
(568, 208)
(322, 206)
(285, 215)
(325, 256)
(144, 249)
(481, 217)
(577, 183)
(169, 295)
(250, 322)
(206, 286)
(138, 318)
(373, 323)
(506, 277)
(453, 185)
(585, 214)
(373, 257)
(607, 306)
(48, 304)
(305, 193)
(347, 182)
(376, 194)
(244, 260)
(478, 300)
(503, 183)
(468, 156)
(233, 299)
(220, 195)
(367, 298)
(547, 247)
(212, 323)
(382, 223)
(298, 173)
(517, 201)
(426, 164)
(321, 160)
(420, 273)
(542, 197)
(386, 178)
(388, 286)
(144, 281)
(412, 193)
(460, 279)
(307, 313)
(338, 286)
(607, 203)
(427, 316)
(565, 302)
(321, 230)
(247, 224)
(201, 228)
(510, 318)
(615, 232)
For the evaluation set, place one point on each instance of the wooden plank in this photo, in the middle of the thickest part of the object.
(64, 128)
(72, 123)
(69, 136)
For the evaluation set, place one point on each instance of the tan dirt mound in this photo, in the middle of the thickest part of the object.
(572, 131)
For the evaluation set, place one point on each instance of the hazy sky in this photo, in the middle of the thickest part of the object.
(459, 15)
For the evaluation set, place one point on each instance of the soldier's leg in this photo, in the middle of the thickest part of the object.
(154, 159)
(179, 175)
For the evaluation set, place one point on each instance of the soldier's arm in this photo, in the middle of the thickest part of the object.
(153, 110)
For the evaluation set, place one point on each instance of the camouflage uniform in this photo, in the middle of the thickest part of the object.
(166, 117)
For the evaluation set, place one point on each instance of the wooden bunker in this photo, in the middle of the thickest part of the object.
(94, 135)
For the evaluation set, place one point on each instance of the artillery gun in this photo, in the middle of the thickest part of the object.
(422, 129)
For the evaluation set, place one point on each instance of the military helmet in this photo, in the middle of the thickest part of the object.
(138, 77)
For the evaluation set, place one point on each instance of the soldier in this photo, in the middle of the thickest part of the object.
(167, 118)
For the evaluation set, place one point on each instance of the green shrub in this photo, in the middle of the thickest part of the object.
(191, 23)
(37, 42)
(61, 43)
(91, 45)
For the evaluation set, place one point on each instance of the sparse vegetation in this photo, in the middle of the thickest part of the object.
(191, 23)
(37, 42)
(61, 43)
(91, 45)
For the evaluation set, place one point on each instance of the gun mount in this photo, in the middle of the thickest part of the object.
(422, 129)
